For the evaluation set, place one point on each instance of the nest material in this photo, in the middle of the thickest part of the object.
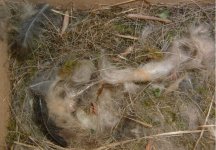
(87, 33)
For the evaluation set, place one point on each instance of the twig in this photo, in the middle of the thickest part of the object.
(126, 11)
(63, 14)
(208, 126)
(148, 137)
(26, 145)
(206, 119)
(143, 17)
(140, 122)
(65, 23)
(127, 51)
(71, 14)
(122, 3)
(149, 145)
(118, 4)
(59, 147)
(127, 36)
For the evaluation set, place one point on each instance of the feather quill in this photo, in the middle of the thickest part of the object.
(46, 124)
(31, 28)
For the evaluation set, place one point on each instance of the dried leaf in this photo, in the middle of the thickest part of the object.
(149, 145)
(93, 108)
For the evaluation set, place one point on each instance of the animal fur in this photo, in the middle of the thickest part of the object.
(83, 110)
(195, 51)
(77, 109)
(65, 105)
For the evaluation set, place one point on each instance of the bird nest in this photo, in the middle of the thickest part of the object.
(71, 85)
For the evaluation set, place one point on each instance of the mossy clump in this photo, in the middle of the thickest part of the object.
(67, 68)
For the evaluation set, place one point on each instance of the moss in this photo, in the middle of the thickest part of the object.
(170, 117)
(123, 29)
(164, 14)
(157, 92)
(150, 53)
(148, 103)
(67, 68)
(12, 135)
(31, 70)
(202, 90)
(212, 113)
(181, 125)
(170, 114)
(137, 145)
(170, 35)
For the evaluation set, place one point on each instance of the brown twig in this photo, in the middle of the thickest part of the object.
(65, 23)
(149, 145)
(119, 4)
(127, 51)
(60, 13)
(127, 36)
(140, 122)
(206, 119)
(25, 145)
(208, 126)
(123, 3)
(143, 17)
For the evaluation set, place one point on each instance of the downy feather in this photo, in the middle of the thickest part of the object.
(31, 28)
(47, 125)
(185, 53)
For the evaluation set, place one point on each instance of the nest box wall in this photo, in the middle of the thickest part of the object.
(90, 4)
(4, 76)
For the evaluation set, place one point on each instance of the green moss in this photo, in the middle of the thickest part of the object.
(151, 53)
(67, 68)
(12, 135)
(170, 114)
(123, 29)
(202, 90)
(137, 145)
(212, 113)
(156, 123)
(170, 117)
(148, 103)
(157, 92)
(170, 35)
(92, 131)
(164, 14)
(181, 125)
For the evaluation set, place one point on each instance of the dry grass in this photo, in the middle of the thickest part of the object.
(87, 34)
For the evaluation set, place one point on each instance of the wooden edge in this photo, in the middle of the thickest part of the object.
(4, 75)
